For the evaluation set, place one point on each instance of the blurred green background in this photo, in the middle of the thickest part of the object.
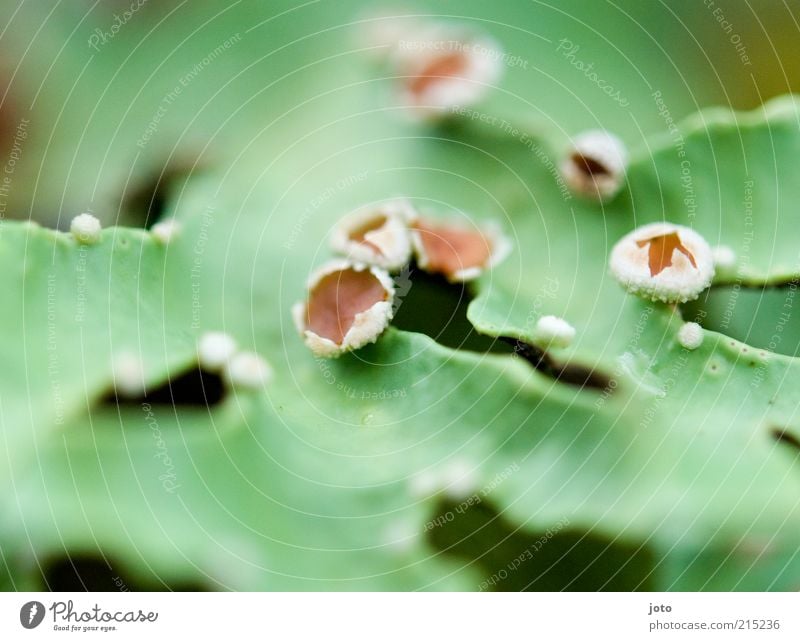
(267, 113)
(293, 70)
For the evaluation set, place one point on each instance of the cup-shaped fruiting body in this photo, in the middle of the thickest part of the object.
(663, 262)
(442, 67)
(348, 306)
(552, 331)
(594, 166)
(376, 235)
(690, 335)
(458, 251)
(86, 229)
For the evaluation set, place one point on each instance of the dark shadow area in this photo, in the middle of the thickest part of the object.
(786, 438)
(558, 559)
(589, 166)
(7, 579)
(429, 304)
(194, 387)
(569, 374)
(766, 318)
(146, 203)
(90, 573)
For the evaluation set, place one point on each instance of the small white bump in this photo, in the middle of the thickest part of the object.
(554, 332)
(215, 349)
(86, 229)
(166, 231)
(424, 484)
(724, 258)
(400, 537)
(690, 335)
(459, 479)
(248, 370)
(128, 374)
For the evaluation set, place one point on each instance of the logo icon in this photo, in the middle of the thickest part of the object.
(31, 614)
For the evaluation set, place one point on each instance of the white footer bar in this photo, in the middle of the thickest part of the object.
(386, 616)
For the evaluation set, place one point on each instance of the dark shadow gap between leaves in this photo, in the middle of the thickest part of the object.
(147, 202)
(570, 374)
(785, 437)
(557, 559)
(93, 573)
(430, 305)
(193, 388)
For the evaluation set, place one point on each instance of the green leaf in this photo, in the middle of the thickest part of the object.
(678, 470)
